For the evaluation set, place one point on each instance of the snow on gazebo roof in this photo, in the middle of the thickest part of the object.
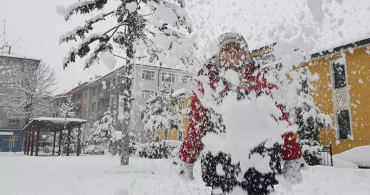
(53, 124)
(59, 120)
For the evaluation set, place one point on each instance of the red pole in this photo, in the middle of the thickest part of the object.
(79, 140)
(28, 142)
(60, 142)
(55, 135)
(38, 139)
(25, 142)
(32, 142)
(68, 139)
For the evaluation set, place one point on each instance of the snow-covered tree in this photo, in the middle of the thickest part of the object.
(159, 112)
(66, 110)
(103, 130)
(157, 28)
(309, 119)
(30, 87)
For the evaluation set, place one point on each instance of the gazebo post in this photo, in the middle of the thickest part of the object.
(60, 142)
(28, 142)
(25, 142)
(55, 135)
(38, 138)
(68, 139)
(79, 140)
(32, 142)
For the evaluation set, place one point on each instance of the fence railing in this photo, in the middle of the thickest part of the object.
(327, 155)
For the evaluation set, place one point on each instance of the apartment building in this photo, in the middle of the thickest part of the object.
(11, 134)
(93, 98)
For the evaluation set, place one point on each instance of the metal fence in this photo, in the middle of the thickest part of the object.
(327, 155)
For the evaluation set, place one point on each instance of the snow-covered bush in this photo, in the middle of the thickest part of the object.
(309, 119)
(159, 112)
(157, 150)
(102, 132)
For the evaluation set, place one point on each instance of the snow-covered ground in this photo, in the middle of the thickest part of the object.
(21, 174)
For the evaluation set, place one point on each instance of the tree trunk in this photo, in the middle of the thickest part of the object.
(125, 104)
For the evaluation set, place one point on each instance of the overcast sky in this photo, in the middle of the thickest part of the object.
(39, 27)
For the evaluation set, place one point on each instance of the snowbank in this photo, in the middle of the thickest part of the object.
(359, 156)
(337, 162)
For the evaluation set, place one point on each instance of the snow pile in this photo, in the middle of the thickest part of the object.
(102, 175)
(337, 162)
(359, 156)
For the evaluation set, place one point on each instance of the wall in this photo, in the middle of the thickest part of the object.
(358, 75)
(19, 148)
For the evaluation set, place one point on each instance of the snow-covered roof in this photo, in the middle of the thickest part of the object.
(13, 55)
(6, 133)
(59, 120)
(52, 120)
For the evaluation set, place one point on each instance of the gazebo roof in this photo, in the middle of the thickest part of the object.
(52, 124)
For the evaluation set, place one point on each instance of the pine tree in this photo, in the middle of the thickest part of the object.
(66, 110)
(309, 119)
(157, 25)
(158, 113)
(103, 130)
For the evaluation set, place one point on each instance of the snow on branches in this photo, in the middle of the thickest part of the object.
(29, 85)
(137, 22)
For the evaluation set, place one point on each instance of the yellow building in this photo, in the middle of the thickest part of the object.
(342, 92)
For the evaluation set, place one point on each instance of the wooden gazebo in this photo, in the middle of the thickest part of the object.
(49, 124)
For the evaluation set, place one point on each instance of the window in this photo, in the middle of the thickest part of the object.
(56, 114)
(57, 102)
(113, 82)
(180, 135)
(344, 124)
(100, 87)
(11, 141)
(339, 73)
(145, 94)
(107, 85)
(168, 77)
(93, 107)
(14, 121)
(113, 101)
(53, 115)
(85, 94)
(166, 134)
(148, 75)
(93, 91)
(186, 79)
